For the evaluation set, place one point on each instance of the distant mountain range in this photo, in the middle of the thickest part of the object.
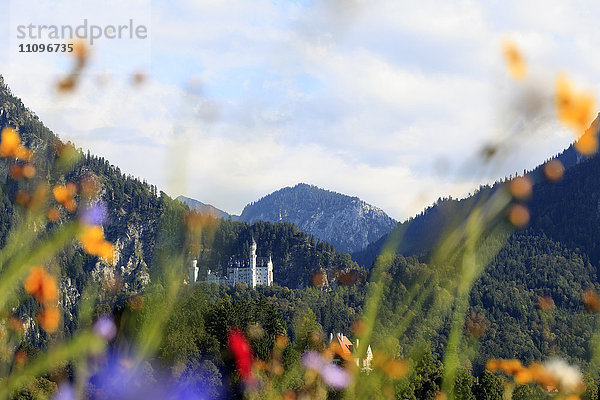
(194, 204)
(348, 223)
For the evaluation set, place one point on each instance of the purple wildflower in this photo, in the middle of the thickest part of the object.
(65, 392)
(94, 214)
(105, 327)
(313, 360)
(120, 377)
(336, 377)
(333, 375)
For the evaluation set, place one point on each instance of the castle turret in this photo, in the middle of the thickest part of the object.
(253, 271)
(270, 272)
(193, 272)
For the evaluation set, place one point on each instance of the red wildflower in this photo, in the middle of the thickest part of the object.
(240, 348)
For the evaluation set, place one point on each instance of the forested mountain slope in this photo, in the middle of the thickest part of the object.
(141, 222)
(420, 234)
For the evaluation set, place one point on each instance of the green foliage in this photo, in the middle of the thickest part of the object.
(528, 392)
(591, 388)
(428, 374)
(39, 389)
(488, 387)
(463, 386)
(308, 332)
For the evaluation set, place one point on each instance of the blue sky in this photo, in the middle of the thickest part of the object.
(386, 100)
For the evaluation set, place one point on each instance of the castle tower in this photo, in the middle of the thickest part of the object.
(253, 262)
(270, 272)
(193, 272)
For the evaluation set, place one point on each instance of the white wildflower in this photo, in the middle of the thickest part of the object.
(569, 376)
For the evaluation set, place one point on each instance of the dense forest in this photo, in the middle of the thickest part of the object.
(194, 348)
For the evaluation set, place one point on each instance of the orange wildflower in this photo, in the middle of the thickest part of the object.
(92, 236)
(80, 52)
(71, 188)
(554, 170)
(22, 197)
(66, 84)
(70, 205)
(20, 357)
(53, 214)
(61, 194)
(48, 318)
(41, 285)
(574, 109)
(94, 243)
(514, 61)
(518, 215)
(29, 171)
(396, 369)
(23, 153)
(511, 367)
(9, 142)
(521, 187)
(15, 324)
(591, 300)
(106, 251)
(555, 374)
(10, 145)
(587, 144)
(359, 327)
(16, 172)
(281, 341)
(492, 365)
(545, 303)
(524, 376)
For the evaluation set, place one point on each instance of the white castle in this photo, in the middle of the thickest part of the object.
(253, 271)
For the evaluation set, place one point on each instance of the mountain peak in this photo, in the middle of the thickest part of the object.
(204, 208)
(347, 222)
